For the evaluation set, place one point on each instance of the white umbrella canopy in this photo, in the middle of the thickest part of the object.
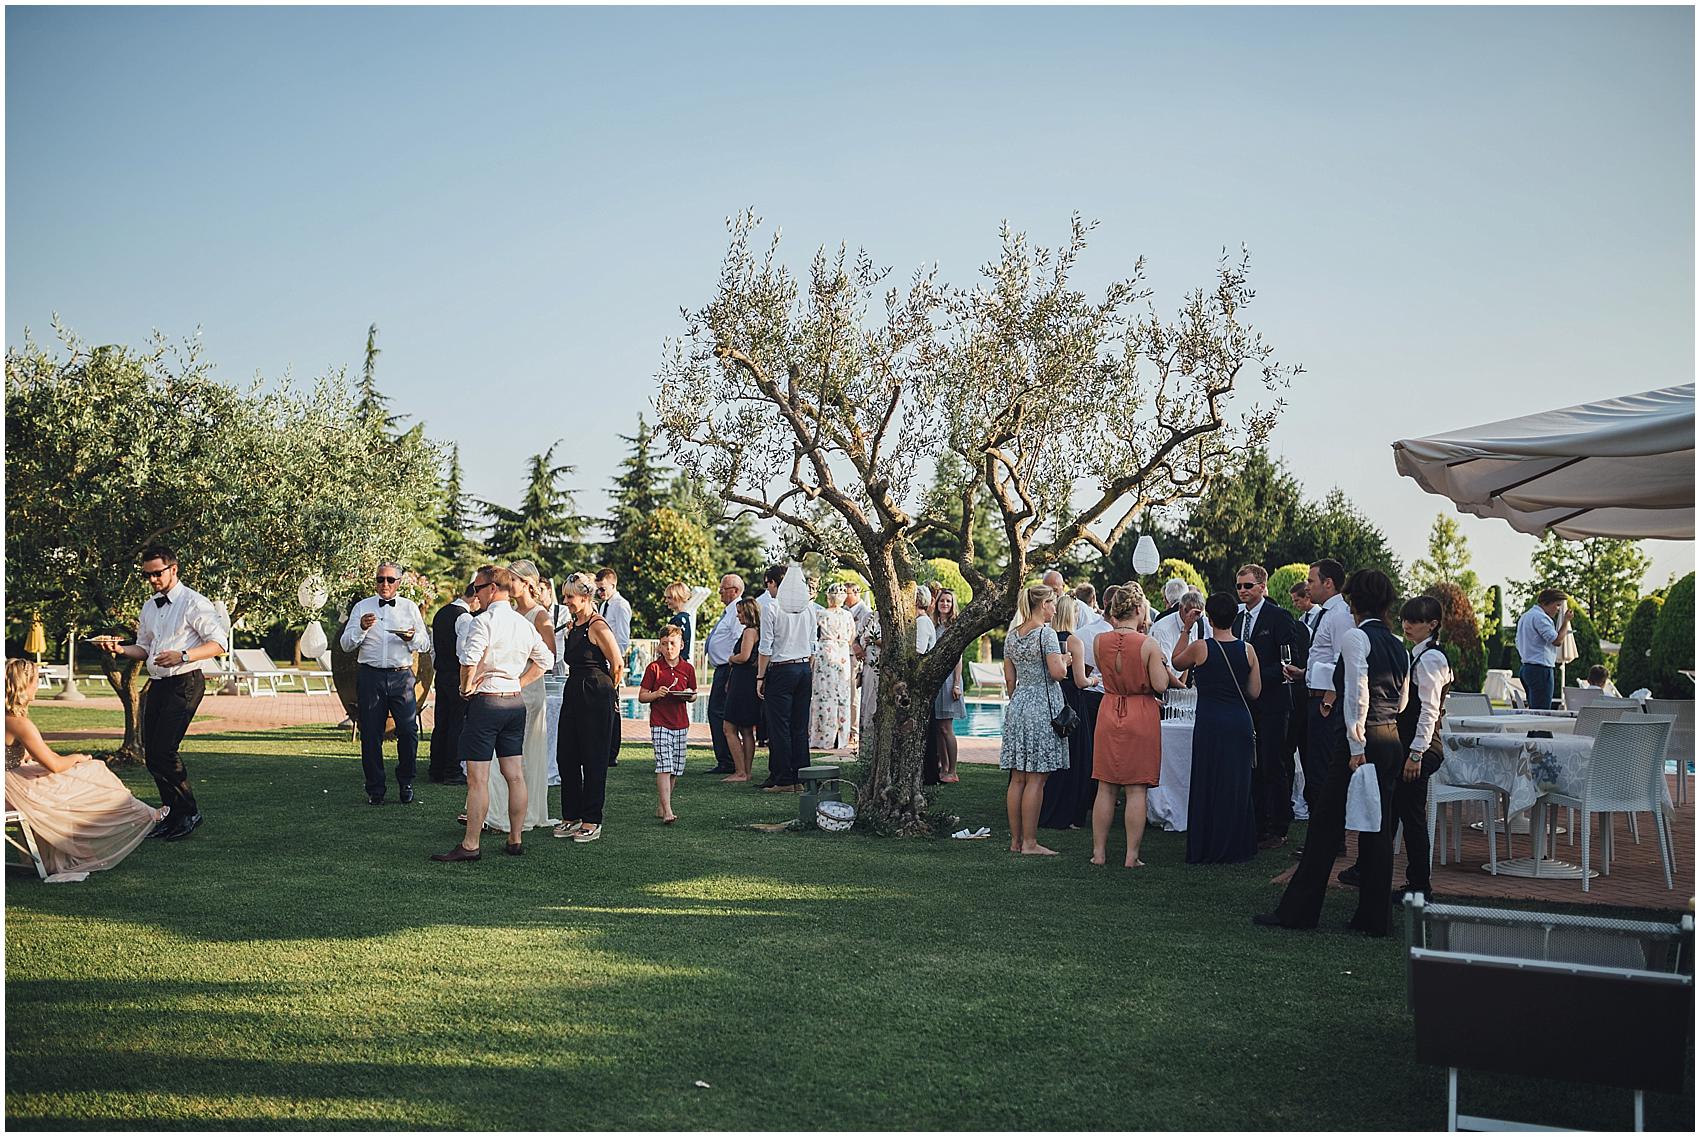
(1621, 467)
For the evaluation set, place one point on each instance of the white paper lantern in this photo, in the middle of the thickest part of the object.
(1145, 557)
(314, 645)
(312, 594)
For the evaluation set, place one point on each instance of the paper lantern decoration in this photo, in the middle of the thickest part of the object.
(1145, 558)
(314, 645)
(312, 594)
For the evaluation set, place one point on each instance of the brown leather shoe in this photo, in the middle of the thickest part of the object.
(458, 853)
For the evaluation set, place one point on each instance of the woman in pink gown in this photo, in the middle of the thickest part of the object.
(84, 819)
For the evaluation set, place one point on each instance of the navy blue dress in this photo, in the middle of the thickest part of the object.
(1220, 827)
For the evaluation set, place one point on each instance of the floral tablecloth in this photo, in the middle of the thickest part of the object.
(1520, 766)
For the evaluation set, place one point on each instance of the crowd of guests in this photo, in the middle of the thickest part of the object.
(1082, 729)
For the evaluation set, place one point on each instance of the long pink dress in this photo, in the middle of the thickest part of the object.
(84, 819)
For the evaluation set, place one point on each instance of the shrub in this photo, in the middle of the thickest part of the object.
(1634, 662)
(662, 547)
(1281, 583)
(1496, 644)
(1460, 633)
(1673, 642)
(844, 576)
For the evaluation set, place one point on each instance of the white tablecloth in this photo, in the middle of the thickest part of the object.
(552, 708)
(1523, 767)
(1503, 687)
(1165, 803)
(1510, 724)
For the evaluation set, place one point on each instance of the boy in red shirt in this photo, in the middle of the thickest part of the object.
(668, 685)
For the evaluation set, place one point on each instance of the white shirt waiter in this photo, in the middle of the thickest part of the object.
(498, 646)
(618, 612)
(1331, 628)
(378, 645)
(184, 621)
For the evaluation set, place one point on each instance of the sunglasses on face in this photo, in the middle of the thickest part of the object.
(150, 574)
(1244, 587)
(387, 579)
(477, 588)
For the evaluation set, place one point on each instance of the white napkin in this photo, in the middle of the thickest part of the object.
(979, 834)
(1363, 801)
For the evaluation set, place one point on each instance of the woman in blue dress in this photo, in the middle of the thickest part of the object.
(1220, 826)
(1033, 666)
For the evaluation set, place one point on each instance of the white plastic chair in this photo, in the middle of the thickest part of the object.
(1467, 703)
(1588, 721)
(1458, 797)
(1575, 698)
(27, 846)
(1626, 774)
(1680, 749)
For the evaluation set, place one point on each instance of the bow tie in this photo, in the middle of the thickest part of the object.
(161, 601)
(386, 603)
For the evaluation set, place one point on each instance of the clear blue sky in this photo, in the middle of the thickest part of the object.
(1455, 215)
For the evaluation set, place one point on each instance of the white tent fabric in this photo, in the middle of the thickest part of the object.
(1618, 468)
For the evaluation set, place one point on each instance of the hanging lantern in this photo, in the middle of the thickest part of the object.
(313, 593)
(36, 642)
(314, 645)
(1145, 559)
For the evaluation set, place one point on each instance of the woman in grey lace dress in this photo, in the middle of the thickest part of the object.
(1033, 664)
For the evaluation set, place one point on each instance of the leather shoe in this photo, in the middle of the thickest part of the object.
(184, 828)
(374, 799)
(458, 853)
(164, 826)
(513, 849)
(407, 795)
(1348, 876)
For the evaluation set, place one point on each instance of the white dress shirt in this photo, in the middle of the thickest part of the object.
(1431, 673)
(463, 624)
(787, 637)
(1089, 633)
(1167, 633)
(1331, 629)
(860, 611)
(926, 635)
(1250, 615)
(723, 640)
(1537, 638)
(188, 621)
(377, 646)
(618, 612)
(1354, 657)
(498, 647)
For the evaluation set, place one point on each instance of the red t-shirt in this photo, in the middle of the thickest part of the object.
(671, 712)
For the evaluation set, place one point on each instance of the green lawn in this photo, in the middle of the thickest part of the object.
(299, 963)
(70, 716)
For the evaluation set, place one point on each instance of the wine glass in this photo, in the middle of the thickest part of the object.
(1286, 661)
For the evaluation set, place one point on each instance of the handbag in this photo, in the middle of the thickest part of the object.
(1065, 720)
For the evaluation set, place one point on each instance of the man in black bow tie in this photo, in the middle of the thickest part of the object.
(387, 630)
(177, 632)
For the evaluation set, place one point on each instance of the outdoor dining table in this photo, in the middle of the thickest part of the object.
(1166, 802)
(1526, 770)
(1511, 724)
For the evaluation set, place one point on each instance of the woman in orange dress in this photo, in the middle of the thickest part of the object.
(84, 819)
(1128, 744)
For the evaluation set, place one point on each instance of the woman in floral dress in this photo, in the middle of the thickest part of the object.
(829, 715)
(1033, 666)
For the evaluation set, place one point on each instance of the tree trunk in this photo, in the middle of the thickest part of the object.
(891, 754)
(125, 676)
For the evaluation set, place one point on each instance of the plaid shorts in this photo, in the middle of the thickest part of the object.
(669, 749)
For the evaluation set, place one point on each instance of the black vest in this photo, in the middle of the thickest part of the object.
(1413, 709)
(1389, 667)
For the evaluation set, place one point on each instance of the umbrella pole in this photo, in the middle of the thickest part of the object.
(70, 694)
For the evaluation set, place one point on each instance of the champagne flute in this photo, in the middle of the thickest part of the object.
(1286, 661)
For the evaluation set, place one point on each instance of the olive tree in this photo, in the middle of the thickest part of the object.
(825, 401)
(110, 450)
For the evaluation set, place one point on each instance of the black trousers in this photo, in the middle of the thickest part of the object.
(1410, 809)
(1323, 734)
(789, 691)
(589, 728)
(168, 707)
(383, 694)
(1272, 777)
(445, 733)
(1301, 906)
(718, 692)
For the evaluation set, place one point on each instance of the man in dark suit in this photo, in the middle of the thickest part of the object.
(1270, 628)
(451, 707)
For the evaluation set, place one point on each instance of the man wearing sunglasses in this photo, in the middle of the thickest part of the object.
(1276, 636)
(177, 632)
(386, 630)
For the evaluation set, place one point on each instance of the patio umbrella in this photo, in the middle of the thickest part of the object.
(1621, 467)
(36, 641)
